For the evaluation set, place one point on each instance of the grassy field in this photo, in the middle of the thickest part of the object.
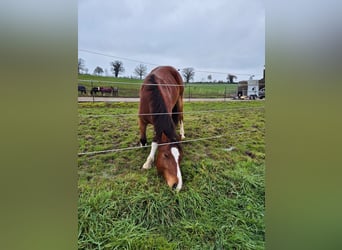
(130, 87)
(221, 205)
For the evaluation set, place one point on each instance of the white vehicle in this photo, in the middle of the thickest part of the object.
(251, 89)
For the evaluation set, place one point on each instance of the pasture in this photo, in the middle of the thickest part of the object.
(130, 87)
(221, 204)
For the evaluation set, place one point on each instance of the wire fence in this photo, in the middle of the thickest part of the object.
(161, 144)
(188, 112)
(184, 141)
(131, 89)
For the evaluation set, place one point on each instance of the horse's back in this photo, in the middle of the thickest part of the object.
(164, 81)
(170, 82)
(168, 76)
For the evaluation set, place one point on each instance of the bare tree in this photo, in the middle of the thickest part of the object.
(81, 65)
(117, 67)
(231, 78)
(188, 74)
(98, 70)
(140, 70)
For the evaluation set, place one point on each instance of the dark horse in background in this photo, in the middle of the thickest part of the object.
(82, 89)
(113, 91)
(161, 98)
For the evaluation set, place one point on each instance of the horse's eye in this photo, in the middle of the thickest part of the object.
(166, 155)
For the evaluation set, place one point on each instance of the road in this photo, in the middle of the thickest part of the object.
(120, 99)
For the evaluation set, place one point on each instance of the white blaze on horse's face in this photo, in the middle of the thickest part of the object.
(175, 153)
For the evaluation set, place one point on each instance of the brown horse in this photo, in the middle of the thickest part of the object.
(161, 104)
(114, 91)
(111, 90)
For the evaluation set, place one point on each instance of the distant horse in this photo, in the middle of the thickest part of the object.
(111, 90)
(103, 90)
(94, 91)
(162, 92)
(115, 91)
(82, 89)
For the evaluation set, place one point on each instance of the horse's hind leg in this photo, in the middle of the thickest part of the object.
(179, 110)
(181, 130)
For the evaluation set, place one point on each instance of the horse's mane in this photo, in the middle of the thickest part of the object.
(162, 123)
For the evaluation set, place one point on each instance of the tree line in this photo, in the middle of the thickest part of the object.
(141, 70)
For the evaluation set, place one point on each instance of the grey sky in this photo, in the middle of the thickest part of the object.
(209, 35)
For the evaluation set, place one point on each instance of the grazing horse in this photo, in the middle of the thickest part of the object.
(82, 89)
(94, 91)
(161, 104)
(115, 91)
(105, 90)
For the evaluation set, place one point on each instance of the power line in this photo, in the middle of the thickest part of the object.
(118, 57)
(223, 73)
(154, 64)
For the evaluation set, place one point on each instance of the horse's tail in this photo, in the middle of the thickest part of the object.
(162, 123)
(175, 115)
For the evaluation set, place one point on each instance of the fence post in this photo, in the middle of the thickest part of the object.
(189, 92)
(92, 93)
(225, 92)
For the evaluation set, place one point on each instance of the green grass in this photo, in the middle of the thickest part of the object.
(130, 87)
(221, 205)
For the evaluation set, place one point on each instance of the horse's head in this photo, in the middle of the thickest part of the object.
(168, 163)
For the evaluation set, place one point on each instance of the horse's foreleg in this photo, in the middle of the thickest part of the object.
(150, 157)
(142, 128)
(154, 148)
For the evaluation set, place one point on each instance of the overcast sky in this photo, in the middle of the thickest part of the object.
(209, 35)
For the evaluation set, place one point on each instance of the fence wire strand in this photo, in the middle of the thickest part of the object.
(187, 112)
(161, 144)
